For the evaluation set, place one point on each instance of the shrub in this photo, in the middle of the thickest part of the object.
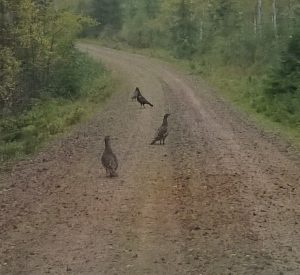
(23, 133)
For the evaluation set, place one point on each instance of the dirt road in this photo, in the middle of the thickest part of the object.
(219, 198)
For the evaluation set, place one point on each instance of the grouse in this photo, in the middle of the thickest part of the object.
(135, 94)
(162, 131)
(109, 159)
(141, 99)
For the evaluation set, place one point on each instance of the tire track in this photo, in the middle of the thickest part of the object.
(218, 198)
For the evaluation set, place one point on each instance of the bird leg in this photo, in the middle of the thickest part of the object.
(113, 174)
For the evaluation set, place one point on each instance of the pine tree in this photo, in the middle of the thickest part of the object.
(183, 29)
(286, 79)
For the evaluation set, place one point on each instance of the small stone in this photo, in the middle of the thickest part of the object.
(196, 227)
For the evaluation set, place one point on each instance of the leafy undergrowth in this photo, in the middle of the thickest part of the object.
(24, 133)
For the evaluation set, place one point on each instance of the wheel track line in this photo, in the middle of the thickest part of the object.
(157, 226)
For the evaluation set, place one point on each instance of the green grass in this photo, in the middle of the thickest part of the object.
(24, 133)
(243, 88)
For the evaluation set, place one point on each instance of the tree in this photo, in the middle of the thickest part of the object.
(35, 38)
(9, 70)
(151, 8)
(183, 29)
(286, 79)
(108, 13)
(9, 63)
(142, 26)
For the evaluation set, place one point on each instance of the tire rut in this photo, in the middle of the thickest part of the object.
(218, 198)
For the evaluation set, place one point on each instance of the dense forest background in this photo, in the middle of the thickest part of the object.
(250, 49)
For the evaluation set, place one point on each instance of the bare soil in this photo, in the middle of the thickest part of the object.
(220, 197)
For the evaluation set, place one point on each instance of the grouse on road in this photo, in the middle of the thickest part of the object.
(109, 159)
(143, 101)
(162, 131)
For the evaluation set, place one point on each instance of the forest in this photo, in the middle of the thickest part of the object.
(250, 50)
(46, 85)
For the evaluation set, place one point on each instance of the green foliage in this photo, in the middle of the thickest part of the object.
(10, 67)
(26, 132)
(108, 13)
(183, 30)
(45, 84)
(141, 25)
(282, 91)
(76, 6)
(286, 79)
(67, 78)
(37, 37)
(22, 134)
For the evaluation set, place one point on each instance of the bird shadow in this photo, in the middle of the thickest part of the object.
(104, 176)
(157, 144)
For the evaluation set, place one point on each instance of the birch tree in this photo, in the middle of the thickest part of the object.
(259, 17)
(274, 18)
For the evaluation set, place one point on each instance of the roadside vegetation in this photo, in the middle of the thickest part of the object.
(250, 50)
(46, 85)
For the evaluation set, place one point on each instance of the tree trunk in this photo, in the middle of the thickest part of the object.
(259, 17)
(201, 30)
(290, 17)
(3, 25)
(274, 18)
(255, 23)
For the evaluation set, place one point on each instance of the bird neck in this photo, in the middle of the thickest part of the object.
(165, 121)
(107, 146)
